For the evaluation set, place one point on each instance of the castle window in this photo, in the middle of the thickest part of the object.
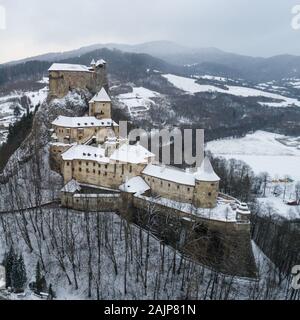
(94, 164)
(209, 194)
(80, 163)
(99, 165)
(99, 172)
(130, 169)
(80, 169)
(105, 173)
(87, 163)
(178, 187)
(94, 171)
(161, 183)
(169, 185)
(106, 166)
(188, 189)
(87, 170)
(212, 184)
(68, 163)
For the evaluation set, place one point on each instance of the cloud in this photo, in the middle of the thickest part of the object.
(250, 27)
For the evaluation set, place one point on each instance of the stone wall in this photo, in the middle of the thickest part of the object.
(100, 110)
(91, 202)
(170, 190)
(56, 150)
(206, 194)
(61, 82)
(223, 246)
(82, 135)
(110, 175)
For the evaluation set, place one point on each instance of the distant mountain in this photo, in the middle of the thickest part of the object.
(124, 65)
(198, 60)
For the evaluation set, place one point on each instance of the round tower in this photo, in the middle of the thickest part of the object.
(206, 186)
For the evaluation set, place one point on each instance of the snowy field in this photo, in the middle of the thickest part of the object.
(191, 86)
(264, 152)
(267, 152)
(139, 101)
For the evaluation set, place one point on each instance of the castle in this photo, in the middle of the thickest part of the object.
(65, 77)
(103, 172)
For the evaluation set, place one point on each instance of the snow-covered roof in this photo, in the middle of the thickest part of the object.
(135, 185)
(206, 172)
(100, 62)
(71, 187)
(69, 67)
(127, 153)
(81, 122)
(101, 96)
(132, 154)
(170, 174)
(83, 152)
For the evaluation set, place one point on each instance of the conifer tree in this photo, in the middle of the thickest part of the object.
(38, 277)
(8, 264)
(18, 275)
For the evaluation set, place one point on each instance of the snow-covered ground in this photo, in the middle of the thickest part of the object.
(275, 154)
(191, 86)
(264, 152)
(113, 245)
(222, 212)
(9, 102)
(139, 101)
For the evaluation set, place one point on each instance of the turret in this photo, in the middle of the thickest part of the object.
(206, 186)
(100, 105)
(93, 64)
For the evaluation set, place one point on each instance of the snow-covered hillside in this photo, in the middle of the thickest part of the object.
(191, 86)
(12, 102)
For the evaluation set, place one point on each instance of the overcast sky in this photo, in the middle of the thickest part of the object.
(252, 27)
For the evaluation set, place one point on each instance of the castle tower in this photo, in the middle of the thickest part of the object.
(100, 105)
(206, 186)
(93, 64)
